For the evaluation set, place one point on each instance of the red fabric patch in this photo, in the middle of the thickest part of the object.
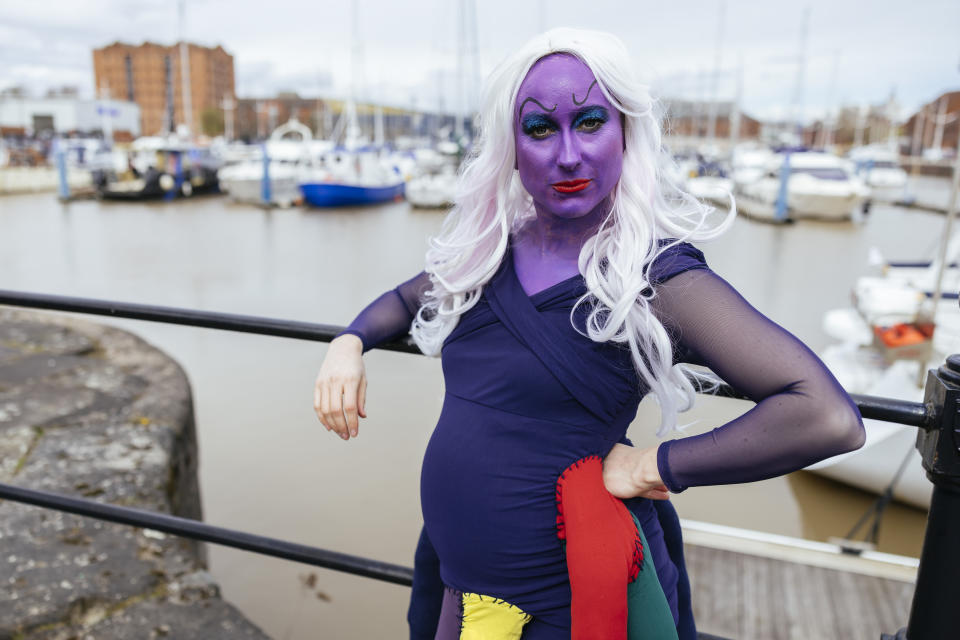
(604, 552)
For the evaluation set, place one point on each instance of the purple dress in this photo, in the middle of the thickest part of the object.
(527, 395)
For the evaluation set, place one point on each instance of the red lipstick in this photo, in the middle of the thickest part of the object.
(571, 186)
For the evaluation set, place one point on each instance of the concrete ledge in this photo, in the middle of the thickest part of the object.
(96, 412)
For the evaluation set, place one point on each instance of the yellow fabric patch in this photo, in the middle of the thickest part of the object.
(486, 618)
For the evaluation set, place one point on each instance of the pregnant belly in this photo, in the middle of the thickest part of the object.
(489, 506)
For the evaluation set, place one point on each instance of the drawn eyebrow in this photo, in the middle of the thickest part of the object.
(589, 89)
(538, 103)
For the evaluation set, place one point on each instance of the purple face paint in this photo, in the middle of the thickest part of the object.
(569, 144)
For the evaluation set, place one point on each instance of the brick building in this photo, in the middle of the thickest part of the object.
(936, 124)
(255, 118)
(149, 75)
(685, 118)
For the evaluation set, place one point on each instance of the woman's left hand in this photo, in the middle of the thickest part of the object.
(629, 472)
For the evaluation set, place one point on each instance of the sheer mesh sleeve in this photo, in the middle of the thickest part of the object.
(389, 316)
(802, 414)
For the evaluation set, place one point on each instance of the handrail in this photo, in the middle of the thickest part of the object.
(195, 529)
(913, 414)
(931, 611)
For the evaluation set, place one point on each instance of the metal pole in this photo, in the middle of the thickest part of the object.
(185, 98)
(265, 194)
(188, 317)
(934, 612)
(914, 414)
(780, 213)
(197, 530)
(63, 186)
(948, 228)
(717, 53)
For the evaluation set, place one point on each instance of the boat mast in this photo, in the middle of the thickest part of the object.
(801, 67)
(712, 123)
(349, 115)
(227, 104)
(945, 238)
(735, 107)
(941, 121)
(893, 117)
(185, 72)
(826, 131)
(467, 47)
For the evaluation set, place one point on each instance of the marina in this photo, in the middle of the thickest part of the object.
(251, 393)
(235, 189)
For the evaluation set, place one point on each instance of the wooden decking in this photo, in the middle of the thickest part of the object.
(762, 589)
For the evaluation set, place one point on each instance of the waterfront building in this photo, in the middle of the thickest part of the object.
(255, 118)
(149, 75)
(934, 126)
(690, 119)
(21, 115)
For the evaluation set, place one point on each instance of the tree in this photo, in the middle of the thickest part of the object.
(211, 122)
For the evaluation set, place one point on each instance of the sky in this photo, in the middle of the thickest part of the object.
(856, 52)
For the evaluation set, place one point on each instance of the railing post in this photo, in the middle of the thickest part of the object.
(63, 178)
(265, 194)
(781, 206)
(935, 612)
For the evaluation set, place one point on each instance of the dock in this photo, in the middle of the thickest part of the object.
(754, 586)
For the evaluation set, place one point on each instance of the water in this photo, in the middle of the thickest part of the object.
(268, 466)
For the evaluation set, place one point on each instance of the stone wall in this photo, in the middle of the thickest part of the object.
(92, 411)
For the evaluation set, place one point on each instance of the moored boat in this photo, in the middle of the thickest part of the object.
(333, 194)
(879, 167)
(160, 167)
(819, 185)
(291, 152)
(358, 176)
(888, 340)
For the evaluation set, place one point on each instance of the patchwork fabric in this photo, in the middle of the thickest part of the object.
(471, 616)
(486, 618)
(614, 588)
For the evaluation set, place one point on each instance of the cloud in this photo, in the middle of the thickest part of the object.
(284, 44)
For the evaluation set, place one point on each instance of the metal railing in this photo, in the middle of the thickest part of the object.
(933, 613)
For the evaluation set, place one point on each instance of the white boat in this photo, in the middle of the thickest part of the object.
(879, 167)
(861, 369)
(819, 185)
(865, 363)
(432, 190)
(292, 154)
(708, 177)
(749, 162)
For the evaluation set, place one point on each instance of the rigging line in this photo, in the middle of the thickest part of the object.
(878, 506)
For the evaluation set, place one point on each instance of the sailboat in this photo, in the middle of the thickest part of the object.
(290, 150)
(892, 335)
(355, 173)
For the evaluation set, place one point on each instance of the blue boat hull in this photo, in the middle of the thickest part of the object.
(328, 194)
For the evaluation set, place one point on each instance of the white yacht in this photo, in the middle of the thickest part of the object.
(819, 185)
(886, 345)
(292, 153)
(879, 167)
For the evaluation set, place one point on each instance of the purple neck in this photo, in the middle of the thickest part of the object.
(546, 249)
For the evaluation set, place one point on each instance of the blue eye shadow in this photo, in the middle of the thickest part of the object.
(591, 113)
(534, 120)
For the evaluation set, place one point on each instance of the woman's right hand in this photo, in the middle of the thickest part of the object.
(340, 392)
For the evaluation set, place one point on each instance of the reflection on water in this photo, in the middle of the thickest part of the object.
(268, 466)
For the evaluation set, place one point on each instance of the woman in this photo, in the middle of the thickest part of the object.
(561, 290)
